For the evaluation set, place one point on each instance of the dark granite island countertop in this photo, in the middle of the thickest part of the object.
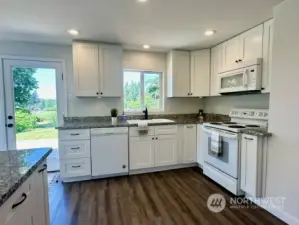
(16, 166)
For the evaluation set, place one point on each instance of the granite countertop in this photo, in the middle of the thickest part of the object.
(257, 132)
(16, 166)
(107, 123)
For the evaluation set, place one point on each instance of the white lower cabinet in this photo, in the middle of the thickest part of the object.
(251, 165)
(166, 150)
(142, 150)
(70, 168)
(189, 146)
(29, 205)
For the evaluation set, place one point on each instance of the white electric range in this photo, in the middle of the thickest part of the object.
(225, 168)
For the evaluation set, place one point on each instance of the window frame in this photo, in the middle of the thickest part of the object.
(142, 91)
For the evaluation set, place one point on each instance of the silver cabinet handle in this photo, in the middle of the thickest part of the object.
(250, 139)
(75, 148)
(76, 166)
(74, 134)
(190, 126)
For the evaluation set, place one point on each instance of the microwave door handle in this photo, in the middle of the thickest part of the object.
(245, 78)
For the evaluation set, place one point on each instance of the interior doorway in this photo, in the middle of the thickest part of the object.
(33, 96)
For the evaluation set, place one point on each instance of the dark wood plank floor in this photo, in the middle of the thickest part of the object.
(172, 197)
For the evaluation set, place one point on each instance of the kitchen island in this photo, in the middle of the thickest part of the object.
(24, 187)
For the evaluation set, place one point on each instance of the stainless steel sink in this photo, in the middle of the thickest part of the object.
(151, 121)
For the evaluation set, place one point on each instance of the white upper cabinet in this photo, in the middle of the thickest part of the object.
(86, 69)
(216, 68)
(112, 69)
(200, 73)
(97, 70)
(178, 73)
(188, 74)
(267, 55)
(231, 54)
(251, 45)
(243, 49)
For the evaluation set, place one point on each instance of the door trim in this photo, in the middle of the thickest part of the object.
(63, 109)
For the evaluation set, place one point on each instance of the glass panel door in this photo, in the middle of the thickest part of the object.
(31, 105)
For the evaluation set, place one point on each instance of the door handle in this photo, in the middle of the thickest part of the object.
(43, 169)
(10, 117)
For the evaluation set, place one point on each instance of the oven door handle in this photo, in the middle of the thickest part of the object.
(222, 133)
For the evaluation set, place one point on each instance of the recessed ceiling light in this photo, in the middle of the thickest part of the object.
(142, 0)
(146, 46)
(73, 32)
(210, 32)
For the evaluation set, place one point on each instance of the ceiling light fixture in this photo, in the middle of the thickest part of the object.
(142, 0)
(73, 32)
(146, 46)
(210, 32)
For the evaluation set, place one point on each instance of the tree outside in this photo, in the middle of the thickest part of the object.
(35, 105)
(132, 91)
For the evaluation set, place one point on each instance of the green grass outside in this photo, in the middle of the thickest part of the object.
(37, 134)
(46, 115)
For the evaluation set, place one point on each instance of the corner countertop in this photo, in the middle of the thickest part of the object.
(16, 166)
(261, 132)
(106, 124)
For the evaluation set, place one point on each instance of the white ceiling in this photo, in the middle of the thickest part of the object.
(163, 24)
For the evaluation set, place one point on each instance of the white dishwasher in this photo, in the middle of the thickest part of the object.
(109, 151)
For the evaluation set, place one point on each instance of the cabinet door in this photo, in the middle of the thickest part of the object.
(216, 68)
(251, 45)
(190, 150)
(231, 53)
(142, 152)
(200, 73)
(166, 150)
(180, 74)
(41, 195)
(267, 55)
(111, 70)
(249, 177)
(86, 69)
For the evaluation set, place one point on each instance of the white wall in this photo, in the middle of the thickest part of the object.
(223, 104)
(94, 106)
(283, 154)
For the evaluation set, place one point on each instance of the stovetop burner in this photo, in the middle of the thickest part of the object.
(252, 126)
(236, 126)
(216, 123)
(229, 123)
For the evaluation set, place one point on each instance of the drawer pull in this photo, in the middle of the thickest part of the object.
(76, 166)
(74, 134)
(24, 197)
(190, 126)
(43, 169)
(250, 139)
(75, 148)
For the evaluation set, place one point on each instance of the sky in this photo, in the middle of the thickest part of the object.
(47, 83)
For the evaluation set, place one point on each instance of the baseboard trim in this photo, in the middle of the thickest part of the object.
(110, 175)
(162, 168)
(75, 179)
(280, 214)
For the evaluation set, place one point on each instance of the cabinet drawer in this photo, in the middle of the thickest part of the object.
(134, 132)
(75, 167)
(65, 135)
(160, 130)
(74, 149)
(6, 210)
